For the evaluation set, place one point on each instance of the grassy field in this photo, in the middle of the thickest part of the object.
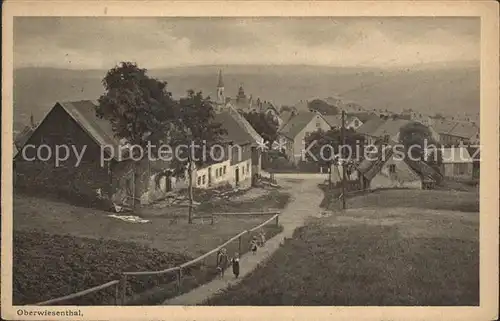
(92, 236)
(427, 199)
(165, 231)
(377, 255)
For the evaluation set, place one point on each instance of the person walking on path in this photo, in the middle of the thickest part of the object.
(222, 261)
(235, 262)
(262, 236)
(253, 245)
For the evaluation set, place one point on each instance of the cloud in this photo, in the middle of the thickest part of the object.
(81, 43)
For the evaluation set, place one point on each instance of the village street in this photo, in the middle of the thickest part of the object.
(305, 200)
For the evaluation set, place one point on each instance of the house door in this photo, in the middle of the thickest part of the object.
(209, 176)
(237, 175)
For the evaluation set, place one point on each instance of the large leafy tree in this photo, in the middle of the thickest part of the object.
(413, 137)
(264, 124)
(136, 104)
(323, 107)
(194, 138)
(325, 147)
(139, 107)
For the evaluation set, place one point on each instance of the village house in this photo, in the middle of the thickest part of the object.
(75, 124)
(376, 129)
(457, 162)
(453, 133)
(292, 135)
(236, 167)
(222, 104)
(389, 170)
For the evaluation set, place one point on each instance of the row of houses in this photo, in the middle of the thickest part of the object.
(457, 161)
(76, 124)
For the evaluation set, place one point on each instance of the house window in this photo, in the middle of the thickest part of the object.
(243, 170)
(392, 168)
(318, 124)
(203, 180)
(199, 181)
(248, 167)
(224, 170)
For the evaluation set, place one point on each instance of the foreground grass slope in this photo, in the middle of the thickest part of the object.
(166, 231)
(372, 256)
(61, 249)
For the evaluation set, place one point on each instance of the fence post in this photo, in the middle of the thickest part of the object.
(179, 280)
(117, 294)
(277, 219)
(239, 244)
(124, 288)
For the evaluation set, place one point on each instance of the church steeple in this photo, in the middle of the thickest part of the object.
(220, 89)
(220, 84)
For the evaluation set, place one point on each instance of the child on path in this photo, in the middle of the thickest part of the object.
(222, 262)
(254, 245)
(235, 262)
(262, 238)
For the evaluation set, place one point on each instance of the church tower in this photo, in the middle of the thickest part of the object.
(220, 90)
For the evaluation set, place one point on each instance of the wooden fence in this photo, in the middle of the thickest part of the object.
(121, 285)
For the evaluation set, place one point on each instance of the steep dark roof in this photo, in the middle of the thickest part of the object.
(296, 123)
(370, 167)
(241, 120)
(425, 171)
(334, 120)
(235, 132)
(21, 138)
(83, 113)
(370, 126)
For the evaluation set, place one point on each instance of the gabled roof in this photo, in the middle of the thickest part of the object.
(390, 127)
(426, 172)
(298, 122)
(370, 168)
(333, 120)
(285, 117)
(443, 126)
(370, 126)
(464, 130)
(83, 113)
(21, 138)
(257, 139)
(235, 132)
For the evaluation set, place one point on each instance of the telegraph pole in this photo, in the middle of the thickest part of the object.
(342, 135)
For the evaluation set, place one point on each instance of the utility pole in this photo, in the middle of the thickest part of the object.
(342, 135)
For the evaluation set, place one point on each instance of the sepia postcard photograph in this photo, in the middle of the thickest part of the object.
(250, 160)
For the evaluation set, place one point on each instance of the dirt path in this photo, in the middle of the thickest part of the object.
(306, 197)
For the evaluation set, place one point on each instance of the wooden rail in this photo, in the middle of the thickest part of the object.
(275, 217)
(152, 272)
(81, 293)
(121, 285)
(248, 213)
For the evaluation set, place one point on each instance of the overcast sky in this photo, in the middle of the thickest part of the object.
(95, 43)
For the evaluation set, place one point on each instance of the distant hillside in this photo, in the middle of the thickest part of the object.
(445, 89)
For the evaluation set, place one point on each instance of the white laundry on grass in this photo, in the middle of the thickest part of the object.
(129, 218)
